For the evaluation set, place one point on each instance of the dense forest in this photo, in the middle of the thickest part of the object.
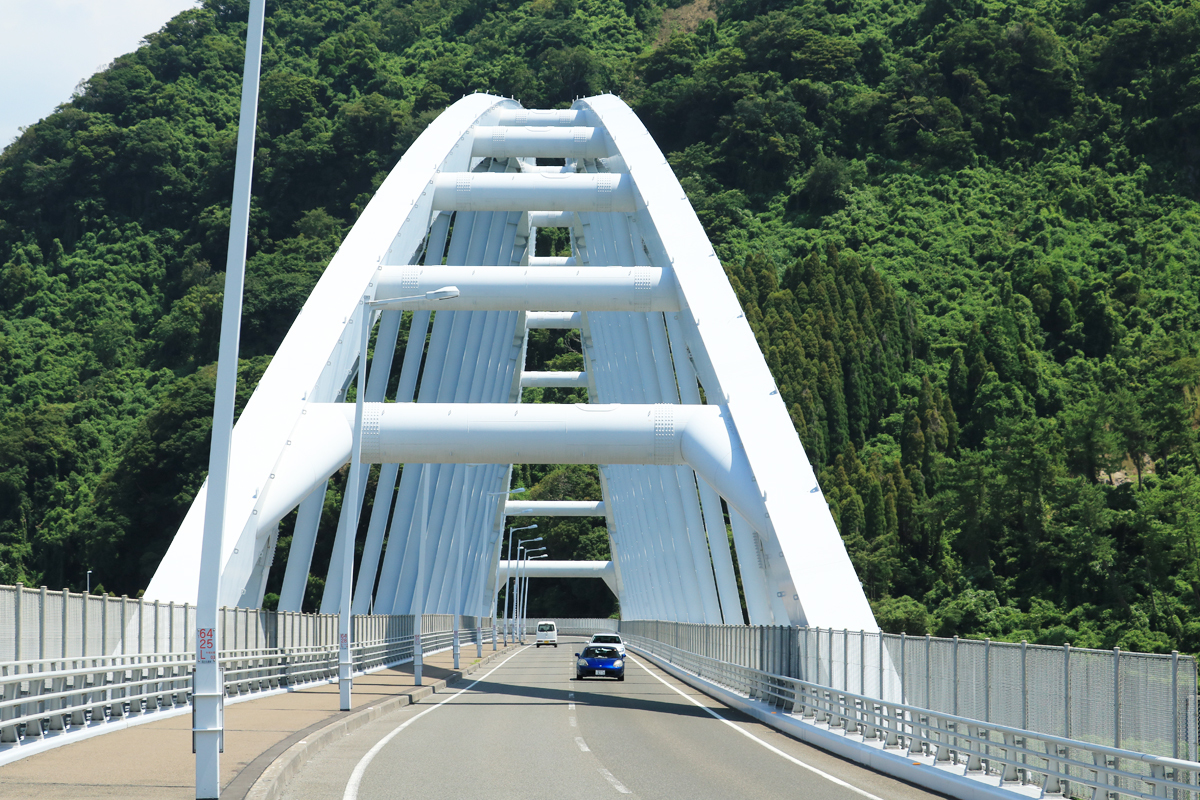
(966, 234)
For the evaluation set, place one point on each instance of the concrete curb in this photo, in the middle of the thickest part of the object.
(271, 784)
(919, 771)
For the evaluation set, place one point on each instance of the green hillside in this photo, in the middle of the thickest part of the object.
(966, 235)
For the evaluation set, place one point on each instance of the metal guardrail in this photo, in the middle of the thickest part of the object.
(1007, 754)
(65, 695)
(568, 626)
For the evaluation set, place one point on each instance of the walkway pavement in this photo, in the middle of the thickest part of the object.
(154, 761)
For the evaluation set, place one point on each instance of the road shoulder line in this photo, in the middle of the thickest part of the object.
(270, 785)
(892, 764)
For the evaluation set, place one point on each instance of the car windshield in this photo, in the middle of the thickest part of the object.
(600, 652)
(607, 639)
(545, 626)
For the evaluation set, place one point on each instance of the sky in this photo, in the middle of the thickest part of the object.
(48, 46)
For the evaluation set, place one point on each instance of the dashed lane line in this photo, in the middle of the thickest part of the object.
(583, 748)
(767, 745)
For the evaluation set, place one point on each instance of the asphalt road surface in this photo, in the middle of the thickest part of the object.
(527, 729)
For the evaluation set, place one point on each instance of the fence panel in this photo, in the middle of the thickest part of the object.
(1130, 701)
(8, 622)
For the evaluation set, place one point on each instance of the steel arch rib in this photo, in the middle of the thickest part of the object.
(638, 251)
(309, 362)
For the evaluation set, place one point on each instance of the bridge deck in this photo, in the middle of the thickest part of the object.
(154, 760)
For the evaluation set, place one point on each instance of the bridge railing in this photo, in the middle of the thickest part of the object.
(57, 678)
(1122, 721)
(569, 626)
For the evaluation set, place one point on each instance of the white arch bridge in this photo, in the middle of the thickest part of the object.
(683, 413)
(686, 426)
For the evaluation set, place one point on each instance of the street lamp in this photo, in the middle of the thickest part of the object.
(525, 591)
(352, 484)
(507, 593)
(496, 595)
(521, 589)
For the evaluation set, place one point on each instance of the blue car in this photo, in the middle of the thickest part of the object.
(601, 661)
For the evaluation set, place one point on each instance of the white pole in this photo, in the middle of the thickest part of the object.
(456, 604)
(353, 482)
(507, 590)
(419, 590)
(496, 596)
(518, 632)
(525, 596)
(208, 691)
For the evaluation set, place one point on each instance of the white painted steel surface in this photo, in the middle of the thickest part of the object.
(549, 142)
(546, 191)
(554, 320)
(552, 219)
(554, 380)
(565, 288)
(554, 508)
(657, 323)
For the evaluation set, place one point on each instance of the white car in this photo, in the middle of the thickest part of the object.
(610, 639)
(547, 633)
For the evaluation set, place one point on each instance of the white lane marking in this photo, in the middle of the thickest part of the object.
(582, 744)
(572, 718)
(570, 706)
(767, 745)
(570, 695)
(360, 769)
(616, 784)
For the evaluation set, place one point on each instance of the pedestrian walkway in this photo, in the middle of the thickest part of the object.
(154, 761)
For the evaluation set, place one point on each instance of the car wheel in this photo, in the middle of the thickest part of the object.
(620, 677)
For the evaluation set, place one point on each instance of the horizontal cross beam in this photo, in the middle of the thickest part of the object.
(531, 288)
(554, 508)
(553, 320)
(554, 380)
(502, 141)
(699, 436)
(546, 191)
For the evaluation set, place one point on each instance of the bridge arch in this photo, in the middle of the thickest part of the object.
(683, 417)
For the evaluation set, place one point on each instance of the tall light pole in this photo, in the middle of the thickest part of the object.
(496, 594)
(516, 583)
(457, 551)
(524, 591)
(89, 582)
(516, 593)
(365, 309)
(508, 570)
(208, 690)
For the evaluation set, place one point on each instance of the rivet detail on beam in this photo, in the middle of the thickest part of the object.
(410, 279)
(643, 278)
(372, 414)
(664, 434)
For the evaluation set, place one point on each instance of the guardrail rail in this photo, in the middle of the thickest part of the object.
(881, 694)
(135, 659)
